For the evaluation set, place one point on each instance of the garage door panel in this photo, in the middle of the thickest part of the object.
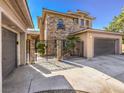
(104, 46)
(9, 51)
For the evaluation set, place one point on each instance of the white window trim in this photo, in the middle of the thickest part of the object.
(81, 22)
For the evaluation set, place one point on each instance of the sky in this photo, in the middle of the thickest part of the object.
(103, 10)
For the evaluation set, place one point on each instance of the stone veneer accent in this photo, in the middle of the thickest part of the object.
(52, 20)
(32, 51)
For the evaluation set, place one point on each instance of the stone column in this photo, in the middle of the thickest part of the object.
(120, 45)
(59, 50)
(32, 51)
(0, 51)
(28, 50)
(90, 51)
(23, 48)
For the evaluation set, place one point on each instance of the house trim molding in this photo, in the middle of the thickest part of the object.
(0, 51)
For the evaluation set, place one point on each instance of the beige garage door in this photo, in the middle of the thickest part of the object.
(9, 52)
(104, 46)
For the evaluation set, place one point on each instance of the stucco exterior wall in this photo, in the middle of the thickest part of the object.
(83, 37)
(89, 45)
(123, 48)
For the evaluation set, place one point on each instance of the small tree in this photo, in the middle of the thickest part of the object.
(117, 24)
(70, 44)
(40, 48)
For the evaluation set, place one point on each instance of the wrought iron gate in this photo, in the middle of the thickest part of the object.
(48, 48)
(44, 48)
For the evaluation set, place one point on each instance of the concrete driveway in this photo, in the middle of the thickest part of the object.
(101, 75)
(112, 65)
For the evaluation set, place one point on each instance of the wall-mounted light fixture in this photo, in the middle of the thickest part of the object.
(17, 42)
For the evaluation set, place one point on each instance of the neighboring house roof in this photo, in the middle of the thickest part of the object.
(33, 34)
(94, 31)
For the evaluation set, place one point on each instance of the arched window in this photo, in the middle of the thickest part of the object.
(60, 24)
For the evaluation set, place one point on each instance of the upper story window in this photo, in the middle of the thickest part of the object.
(75, 20)
(60, 24)
(82, 22)
(87, 23)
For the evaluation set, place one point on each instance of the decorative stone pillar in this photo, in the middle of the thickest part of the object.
(22, 48)
(59, 49)
(28, 51)
(32, 51)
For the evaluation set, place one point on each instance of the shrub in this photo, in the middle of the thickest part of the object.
(40, 48)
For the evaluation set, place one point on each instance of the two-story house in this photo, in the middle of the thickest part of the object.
(95, 42)
(50, 20)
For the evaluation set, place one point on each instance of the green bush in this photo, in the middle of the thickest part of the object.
(123, 41)
(40, 48)
(70, 43)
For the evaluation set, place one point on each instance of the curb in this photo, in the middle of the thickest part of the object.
(72, 63)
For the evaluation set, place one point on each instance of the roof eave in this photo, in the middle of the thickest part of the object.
(30, 18)
(95, 31)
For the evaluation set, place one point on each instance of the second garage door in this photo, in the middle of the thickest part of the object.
(104, 46)
(9, 51)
